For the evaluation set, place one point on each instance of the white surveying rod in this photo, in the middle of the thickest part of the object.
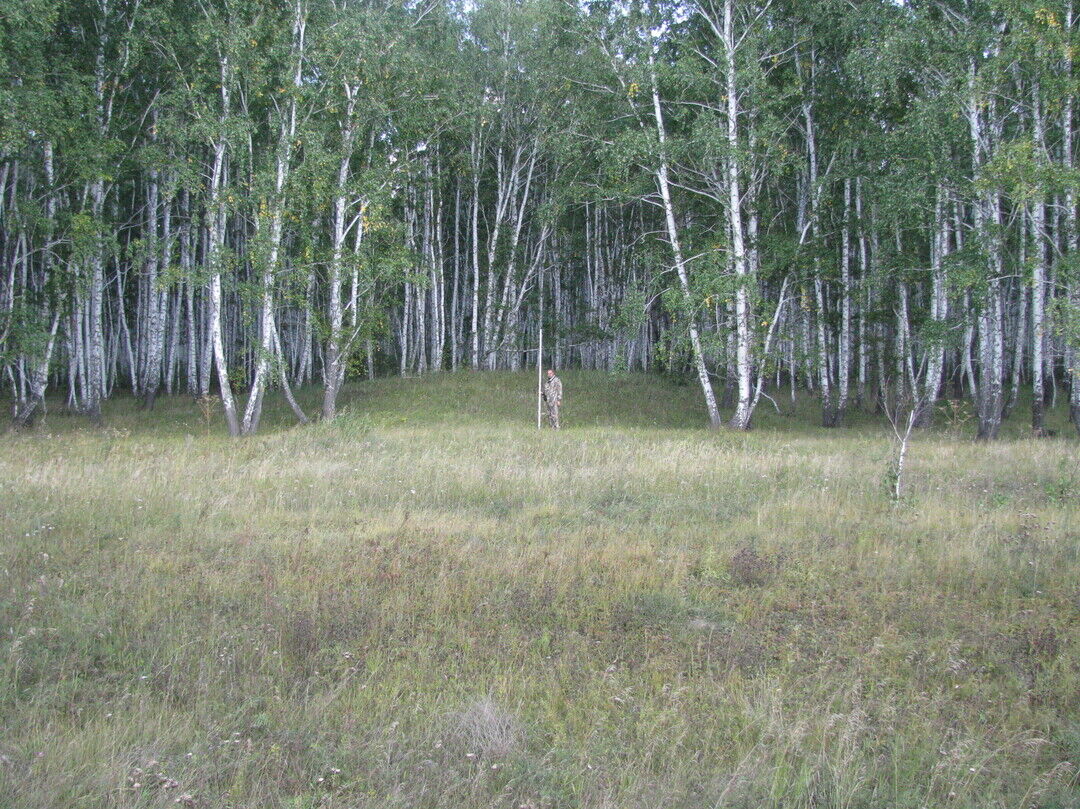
(540, 360)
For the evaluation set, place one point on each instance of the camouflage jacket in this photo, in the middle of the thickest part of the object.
(553, 390)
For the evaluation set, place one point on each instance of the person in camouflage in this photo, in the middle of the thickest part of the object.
(553, 398)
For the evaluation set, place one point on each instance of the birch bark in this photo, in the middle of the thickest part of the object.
(743, 334)
(939, 310)
(1038, 270)
(283, 159)
(1072, 237)
(334, 365)
(215, 255)
(987, 221)
(680, 264)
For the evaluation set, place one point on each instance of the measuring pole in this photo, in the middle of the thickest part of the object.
(540, 360)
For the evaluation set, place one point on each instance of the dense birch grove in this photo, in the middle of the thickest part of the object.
(871, 203)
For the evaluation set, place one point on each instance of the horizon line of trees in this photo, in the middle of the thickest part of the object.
(872, 201)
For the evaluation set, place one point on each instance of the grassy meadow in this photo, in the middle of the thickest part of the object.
(429, 603)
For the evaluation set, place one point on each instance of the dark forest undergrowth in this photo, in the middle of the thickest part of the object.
(427, 603)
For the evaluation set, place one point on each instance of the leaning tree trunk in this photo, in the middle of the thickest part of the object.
(334, 363)
(680, 264)
(506, 182)
(26, 410)
(286, 136)
(215, 259)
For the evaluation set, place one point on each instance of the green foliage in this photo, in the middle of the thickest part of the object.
(631, 313)
(1019, 170)
(24, 332)
(1065, 316)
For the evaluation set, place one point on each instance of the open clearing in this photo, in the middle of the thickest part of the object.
(428, 603)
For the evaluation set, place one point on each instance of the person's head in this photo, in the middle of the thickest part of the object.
(551, 372)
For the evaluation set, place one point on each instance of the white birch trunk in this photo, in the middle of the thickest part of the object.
(95, 356)
(155, 321)
(987, 218)
(939, 310)
(1072, 238)
(844, 347)
(680, 264)
(827, 407)
(286, 135)
(864, 302)
(334, 362)
(474, 360)
(743, 333)
(1038, 271)
(29, 403)
(216, 245)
